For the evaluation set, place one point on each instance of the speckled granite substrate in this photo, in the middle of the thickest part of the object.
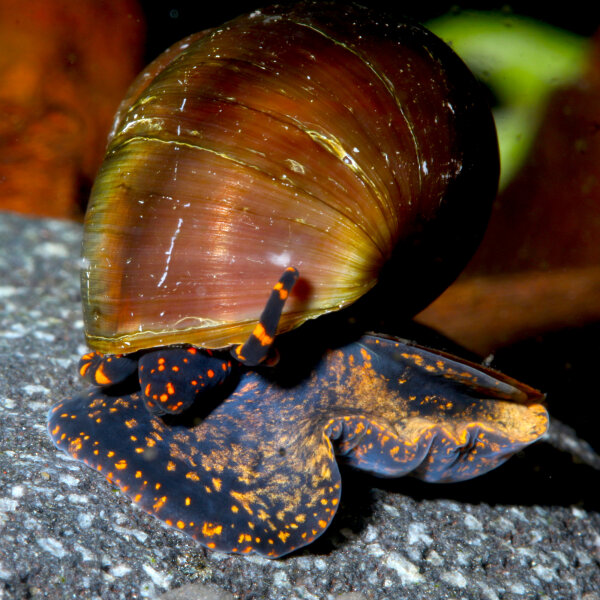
(529, 530)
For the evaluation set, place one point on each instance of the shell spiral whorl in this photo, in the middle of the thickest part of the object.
(315, 136)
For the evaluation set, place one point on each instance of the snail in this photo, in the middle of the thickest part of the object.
(319, 148)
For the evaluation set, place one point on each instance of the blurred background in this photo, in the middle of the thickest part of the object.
(169, 21)
(531, 294)
(64, 68)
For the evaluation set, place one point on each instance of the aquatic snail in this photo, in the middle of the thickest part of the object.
(309, 147)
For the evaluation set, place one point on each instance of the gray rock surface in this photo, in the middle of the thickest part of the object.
(530, 530)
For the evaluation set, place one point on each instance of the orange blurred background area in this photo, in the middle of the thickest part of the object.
(64, 67)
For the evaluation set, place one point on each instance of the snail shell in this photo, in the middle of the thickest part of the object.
(316, 136)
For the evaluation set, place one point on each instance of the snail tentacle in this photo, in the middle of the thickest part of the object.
(260, 342)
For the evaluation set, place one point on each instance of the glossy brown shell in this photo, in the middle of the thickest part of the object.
(317, 137)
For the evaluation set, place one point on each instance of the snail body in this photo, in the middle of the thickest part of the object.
(315, 137)
(258, 472)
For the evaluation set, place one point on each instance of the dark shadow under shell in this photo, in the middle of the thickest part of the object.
(256, 471)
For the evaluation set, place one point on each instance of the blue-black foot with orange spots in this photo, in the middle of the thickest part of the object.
(257, 472)
(172, 377)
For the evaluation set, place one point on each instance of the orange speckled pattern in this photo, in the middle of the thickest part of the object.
(255, 469)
